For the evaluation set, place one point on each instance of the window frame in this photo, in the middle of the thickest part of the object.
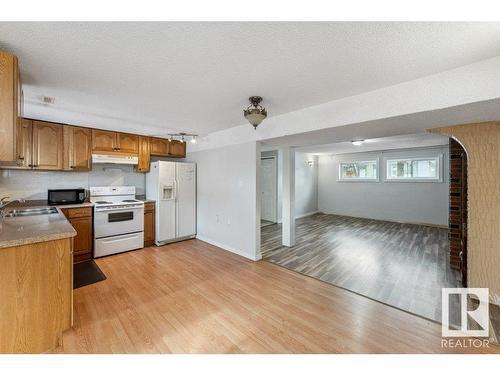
(364, 160)
(439, 161)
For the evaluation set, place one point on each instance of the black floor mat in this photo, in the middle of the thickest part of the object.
(86, 273)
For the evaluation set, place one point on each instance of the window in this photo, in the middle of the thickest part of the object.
(358, 170)
(414, 169)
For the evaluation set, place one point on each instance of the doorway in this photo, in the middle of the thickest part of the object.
(391, 238)
(269, 187)
(458, 209)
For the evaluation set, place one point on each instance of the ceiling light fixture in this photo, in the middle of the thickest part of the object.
(358, 142)
(255, 113)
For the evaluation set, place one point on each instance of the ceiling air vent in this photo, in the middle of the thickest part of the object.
(48, 100)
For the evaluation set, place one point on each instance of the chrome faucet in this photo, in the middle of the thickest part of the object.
(4, 202)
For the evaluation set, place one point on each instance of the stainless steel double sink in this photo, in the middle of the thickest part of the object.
(31, 211)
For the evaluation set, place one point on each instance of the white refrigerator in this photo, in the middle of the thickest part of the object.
(173, 186)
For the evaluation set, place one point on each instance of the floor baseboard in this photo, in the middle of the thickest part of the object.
(228, 248)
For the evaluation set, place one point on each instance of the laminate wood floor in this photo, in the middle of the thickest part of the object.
(191, 297)
(403, 265)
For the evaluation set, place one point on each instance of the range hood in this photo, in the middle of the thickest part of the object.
(114, 159)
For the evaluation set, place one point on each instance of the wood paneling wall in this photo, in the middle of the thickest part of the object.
(482, 144)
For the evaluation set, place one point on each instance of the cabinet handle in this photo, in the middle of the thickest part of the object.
(20, 158)
(72, 166)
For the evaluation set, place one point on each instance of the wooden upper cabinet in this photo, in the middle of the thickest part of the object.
(103, 140)
(128, 143)
(177, 149)
(10, 105)
(77, 148)
(108, 141)
(24, 143)
(159, 147)
(144, 155)
(47, 146)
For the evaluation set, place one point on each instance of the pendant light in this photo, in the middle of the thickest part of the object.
(255, 113)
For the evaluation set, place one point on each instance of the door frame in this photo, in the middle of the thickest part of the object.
(464, 224)
(275, 161)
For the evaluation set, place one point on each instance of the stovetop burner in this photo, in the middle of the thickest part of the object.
(102, 202)
(129, 200)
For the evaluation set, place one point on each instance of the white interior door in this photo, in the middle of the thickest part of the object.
(268, 189)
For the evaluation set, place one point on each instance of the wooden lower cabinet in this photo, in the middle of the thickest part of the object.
(81, 220)
(149, 224)
(36, 296)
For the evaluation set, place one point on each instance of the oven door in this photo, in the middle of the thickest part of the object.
(116, 221)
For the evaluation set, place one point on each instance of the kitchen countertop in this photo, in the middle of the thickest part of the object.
(24, 230)
(43, 203)
(76, 205)
(142, 198)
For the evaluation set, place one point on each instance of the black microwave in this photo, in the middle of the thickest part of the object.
(66, 196)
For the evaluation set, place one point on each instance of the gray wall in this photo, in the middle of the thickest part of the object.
(409, 202)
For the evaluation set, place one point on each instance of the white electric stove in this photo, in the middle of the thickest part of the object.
(118, 220)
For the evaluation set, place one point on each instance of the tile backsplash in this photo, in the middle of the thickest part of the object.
(34, 184)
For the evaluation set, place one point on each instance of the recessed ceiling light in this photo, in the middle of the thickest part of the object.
(358, 142)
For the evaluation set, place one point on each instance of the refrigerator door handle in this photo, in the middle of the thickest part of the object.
(174, 195)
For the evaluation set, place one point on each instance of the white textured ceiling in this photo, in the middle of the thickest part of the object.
(411, 128)
(378, 144)
(160, 77)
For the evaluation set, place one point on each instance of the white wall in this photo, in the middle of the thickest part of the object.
(29, 184)
(306, 183)
(417, 202)
(227, 209)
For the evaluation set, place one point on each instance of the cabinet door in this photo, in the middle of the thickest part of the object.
(128, 143)
(144, 155)
(8, 106)
(24, 143)
(177, 149)
(149, 224)
(47, 146)
(78, 146)
(103, 140)
(159, 146)
(82, 242)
